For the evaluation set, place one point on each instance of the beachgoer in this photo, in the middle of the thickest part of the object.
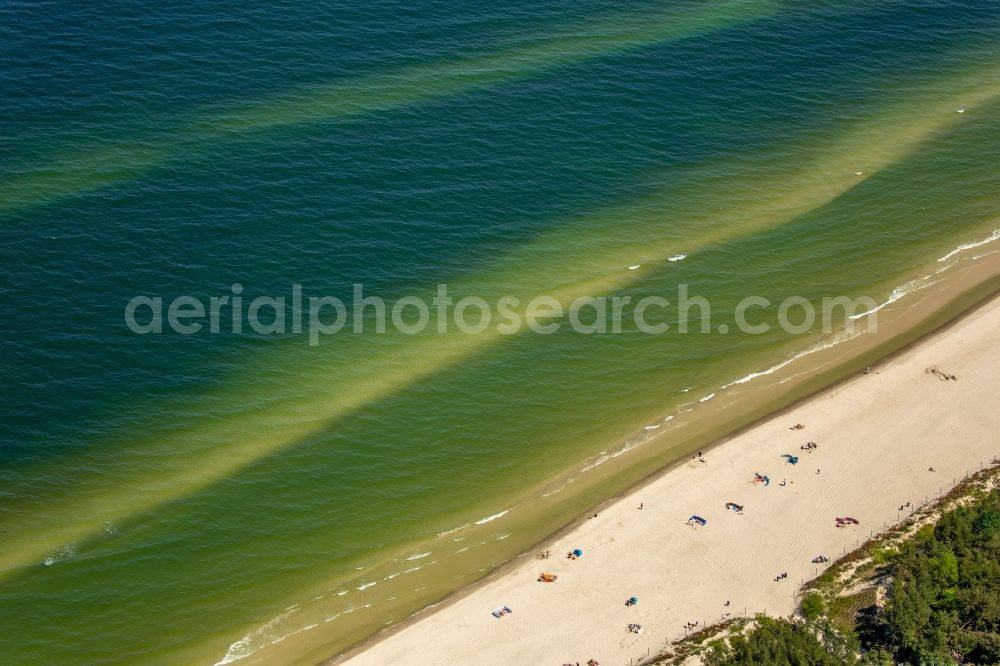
(640, 505)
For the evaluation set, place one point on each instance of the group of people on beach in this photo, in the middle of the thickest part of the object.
(946, 376)
(698, 520)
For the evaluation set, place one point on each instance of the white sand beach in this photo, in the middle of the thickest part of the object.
(878, 436)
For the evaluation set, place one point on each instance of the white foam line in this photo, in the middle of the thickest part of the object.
(968, 246)
(946, 267)
(985, 254)
(557, 490)
(707, 397)
(677, 257)
(762, 373)
(418, 556)
(243, 647)
(491, 518)
(365, 586)
(604, 456)
(453, 530)
(792, 359)
(898, 293)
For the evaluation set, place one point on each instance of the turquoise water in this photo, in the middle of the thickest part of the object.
(171, 498)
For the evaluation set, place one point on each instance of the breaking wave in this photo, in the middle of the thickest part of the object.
(487, 519)
(968, 246)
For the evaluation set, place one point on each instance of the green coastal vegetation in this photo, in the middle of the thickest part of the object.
(929, 595)
(944, 601)
(779, 641)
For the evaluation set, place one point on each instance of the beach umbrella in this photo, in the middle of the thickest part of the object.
(578, 552)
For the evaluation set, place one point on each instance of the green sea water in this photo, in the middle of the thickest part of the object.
(172, 498)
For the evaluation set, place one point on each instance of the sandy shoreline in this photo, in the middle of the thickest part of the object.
(878, 435)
